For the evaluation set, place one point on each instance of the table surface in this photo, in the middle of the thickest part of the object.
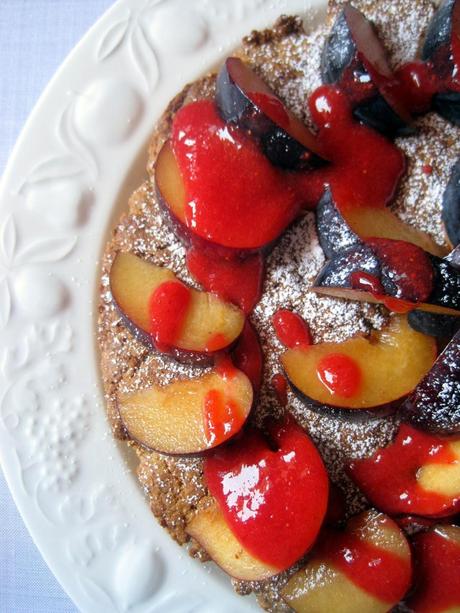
(29, 56)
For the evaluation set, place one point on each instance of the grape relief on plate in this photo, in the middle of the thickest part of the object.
(47, 418)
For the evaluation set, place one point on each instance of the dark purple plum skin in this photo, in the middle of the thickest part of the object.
(433, 324)
(334, 233)
(340, 55)
(434, 405)
(446, 285)
(451, 205)
(279, 146)
(336, 272)
(437, 50)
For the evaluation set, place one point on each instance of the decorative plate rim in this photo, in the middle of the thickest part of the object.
(77, 155)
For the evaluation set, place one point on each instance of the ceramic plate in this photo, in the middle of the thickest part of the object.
(81, 154)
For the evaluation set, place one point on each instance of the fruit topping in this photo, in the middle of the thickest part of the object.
(272, 491)
(433, 324)
(342, 227)
(451, 206)
(188, 416)
(361, 373)
(244, 99)
(165, 314)
(441, 51)
(248, 357)
(437, 554)
(291, 330)
(259, 200)
(366, 568)
(280, 385)
(418, 473)
(354, 59)
(434, 405)
(238, 281)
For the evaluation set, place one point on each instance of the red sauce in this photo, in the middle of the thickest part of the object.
(340, 374)
(272, 107)
(377, 571)
(235, 196)
(168, 306)
(437, 573)
(366, 282)
(280, 385)
(237, 281)
(216, 342)
(427, 169)
(273, 500)
(222, 417)
(397, 305)
(225, 368)
(417, 85)
(291, 330)
(389, 477)
(248, 357)
(336, 508)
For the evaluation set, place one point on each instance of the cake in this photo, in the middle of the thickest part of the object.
(288, 58)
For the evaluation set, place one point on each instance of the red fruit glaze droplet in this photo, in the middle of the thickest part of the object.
(168, 306)
(221, 418)
(279, 384)
(340, 374)
(247, 355)
(291, 329)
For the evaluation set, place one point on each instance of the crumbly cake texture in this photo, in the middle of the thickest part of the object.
(288, 58)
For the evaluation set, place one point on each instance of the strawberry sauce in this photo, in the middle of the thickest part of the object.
(238, 281)
(248, 357)
(340, 374)
(389, 477)
(168, 308)
(291, 330)
(221, 417)
(280, 385)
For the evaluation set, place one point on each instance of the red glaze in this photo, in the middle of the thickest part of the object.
(437, 573)
(225, 368)
(412, 272)
(220, 418)
(389, 477)
(336, 508)
(216, 342)
(427, 169)
(248, 357)
(411, 524)
(273, 501)
(272, 107)
(366, 282)
(340, 374)
(168, 306)
(375, 570)
(280, 385)
(366, 166)
(291, 330)
(237, 281)
(235, 196)
(417, 85)
(397, 305)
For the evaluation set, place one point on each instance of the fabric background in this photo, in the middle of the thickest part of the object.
(35, 37)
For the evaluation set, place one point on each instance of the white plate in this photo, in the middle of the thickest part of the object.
(80, 155)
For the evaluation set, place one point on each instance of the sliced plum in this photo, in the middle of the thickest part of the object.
(451, 206)
(334, 234)
(433, 324)
(355, 59)
(434, 405)
(244, 99)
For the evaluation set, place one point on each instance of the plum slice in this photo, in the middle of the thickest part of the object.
(362, 376)
(355, 59)
(434, 405)
(451, 206)
(188, 416)
(442, 50)
(207, 324)
(366, 568)
(244, 99)
(416, 474)
(342, 227)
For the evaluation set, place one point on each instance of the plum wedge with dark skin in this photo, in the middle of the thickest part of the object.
(196, 330)
(355, 59)
(361, 377)
(365, 568)
(188, 416)
(434, 405)
(395, 273)
(245, 100)
(441, 50)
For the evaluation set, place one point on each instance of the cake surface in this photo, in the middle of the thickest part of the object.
(288, 57)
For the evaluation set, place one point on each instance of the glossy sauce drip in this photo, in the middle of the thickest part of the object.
(340, 374)
(168, 307)
(389, 477)
(438, 568)
(369, 283)
(248, 357)
(238, 281)
(291, 330)
(367, 565)
(280, 385)
(222, 417)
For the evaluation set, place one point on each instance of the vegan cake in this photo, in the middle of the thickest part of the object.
(278, 313)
